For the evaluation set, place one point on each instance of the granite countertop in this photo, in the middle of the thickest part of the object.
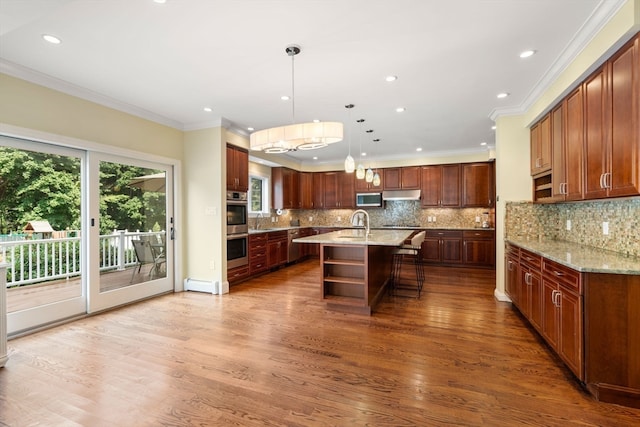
(357, 237)
(347, 227)
(582, 258)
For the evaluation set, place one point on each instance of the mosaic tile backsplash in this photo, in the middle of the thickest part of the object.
(549, 221)
(398, 213)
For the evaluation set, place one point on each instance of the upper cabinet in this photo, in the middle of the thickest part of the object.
(595, 135)
(285, 188)
(237, 168)
(406, 178)
(306, 190)
(441, 186)
(477, 185)
(541, 146)
(339, 190)
(362, 186)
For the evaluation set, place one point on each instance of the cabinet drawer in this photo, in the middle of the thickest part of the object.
(274, 236)
(444, 233)
(256, 255)
(512, 251)
(562, 274)
(237, 273)
(532, 260)
(257, 239)
(478, 234)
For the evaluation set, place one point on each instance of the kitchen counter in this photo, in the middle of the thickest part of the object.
(399, 227)
(582, 258)
(356, 236)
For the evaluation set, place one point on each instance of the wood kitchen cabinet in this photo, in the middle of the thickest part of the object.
(277, 248)
(479, 248)
(318, 190)
(477, 184)
(258, 253)
(362, 186)
(612, 116)
(405, 178)
(541, 146)
(512, 273)
(530, 287)
(568, 142)
(237, 169)
(339, 190)
(285, 188)
(442, 247)
(237, 274)
(306, 189)
(440, 185)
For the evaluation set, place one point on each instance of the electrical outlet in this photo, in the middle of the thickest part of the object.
(210, 211)
(568, 225)
(310, 219)
(477, 219)
(339, 219)
(273, 219)
(605, 228)
(434, 219)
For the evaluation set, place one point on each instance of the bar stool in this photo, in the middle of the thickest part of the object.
(413, 250)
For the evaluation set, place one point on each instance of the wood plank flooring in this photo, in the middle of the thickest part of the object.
(269, 353)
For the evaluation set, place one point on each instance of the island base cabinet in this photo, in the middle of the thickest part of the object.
(354, 277)
(612, 337)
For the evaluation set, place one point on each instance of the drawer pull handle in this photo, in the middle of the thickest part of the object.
(557, 273)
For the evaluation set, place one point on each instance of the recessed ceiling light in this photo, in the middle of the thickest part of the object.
(493, 127)
(527, 53)
(316, 121)
(419, 149)
(51, 39)
(315, 157)
(502, 95)
(208, 109)
(391, 78)
(160, 1)
(483, 143)
(401, 109)
(364, 154)
(250, 129)
(285, 97)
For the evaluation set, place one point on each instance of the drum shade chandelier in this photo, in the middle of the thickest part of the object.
(296, 136)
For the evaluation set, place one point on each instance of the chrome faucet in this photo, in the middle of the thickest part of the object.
(366, 216)
(257, 222)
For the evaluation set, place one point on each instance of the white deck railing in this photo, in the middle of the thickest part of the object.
(34, 261)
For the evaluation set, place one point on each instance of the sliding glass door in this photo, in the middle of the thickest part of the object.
(41, 213)
(130, 230)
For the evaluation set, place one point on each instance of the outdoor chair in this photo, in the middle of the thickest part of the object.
(147, 254)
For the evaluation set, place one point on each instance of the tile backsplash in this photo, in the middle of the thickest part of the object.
(399, 213)
(533, 221)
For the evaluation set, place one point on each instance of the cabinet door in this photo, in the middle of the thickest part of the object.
(570, 330)
(451, 250)
(331, 190)
(450, 194)
(624, 100)
(558, 152)
(573, 147)
(242, 169)
(477, 184)
(511, 279)
(431, 177)
(595, 152)
(549, 313)
(391, 178)
(431, 249)
(306, 190)
(346, 188)
(318, 190)
(534, 288)
(231, 170)
(479, 252)
(410, 178)
(541, 146)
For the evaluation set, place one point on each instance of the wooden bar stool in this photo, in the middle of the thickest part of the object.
(412, 250)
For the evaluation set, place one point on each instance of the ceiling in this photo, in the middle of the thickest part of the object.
(166, 62)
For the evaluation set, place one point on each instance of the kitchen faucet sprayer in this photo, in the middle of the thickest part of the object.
(359, 214)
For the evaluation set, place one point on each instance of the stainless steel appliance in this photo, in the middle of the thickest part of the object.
(294, 248)
(369, 200)
(237, 250)
(237, 212)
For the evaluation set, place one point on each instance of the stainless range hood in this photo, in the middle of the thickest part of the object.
(401, 195)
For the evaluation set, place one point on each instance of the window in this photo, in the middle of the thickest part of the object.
(258, 194)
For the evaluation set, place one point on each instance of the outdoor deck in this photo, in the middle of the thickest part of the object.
(29, 296)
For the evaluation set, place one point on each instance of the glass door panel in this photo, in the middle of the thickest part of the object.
(131, 238)
(40, 232)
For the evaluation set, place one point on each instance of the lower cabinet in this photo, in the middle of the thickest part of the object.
(257, 253)
(479, 248)
(589, 319)
(237, 274)
(442, 247)
(277, 248)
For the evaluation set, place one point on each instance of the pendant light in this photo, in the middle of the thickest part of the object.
(349, 163)
(360, 170)
(376, 176)
(369, 174)
(296, 136)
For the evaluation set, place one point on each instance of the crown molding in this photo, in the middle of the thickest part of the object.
(59, 85)
(602, 14)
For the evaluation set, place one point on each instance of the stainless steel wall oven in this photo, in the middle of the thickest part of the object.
(237, 212)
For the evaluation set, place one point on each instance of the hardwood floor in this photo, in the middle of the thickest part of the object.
(270, 354)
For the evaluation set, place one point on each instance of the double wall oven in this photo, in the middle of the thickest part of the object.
(237, 229)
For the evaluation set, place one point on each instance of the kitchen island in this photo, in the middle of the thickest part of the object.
(355, 266)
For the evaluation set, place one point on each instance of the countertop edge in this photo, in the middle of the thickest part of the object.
(610, 262)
